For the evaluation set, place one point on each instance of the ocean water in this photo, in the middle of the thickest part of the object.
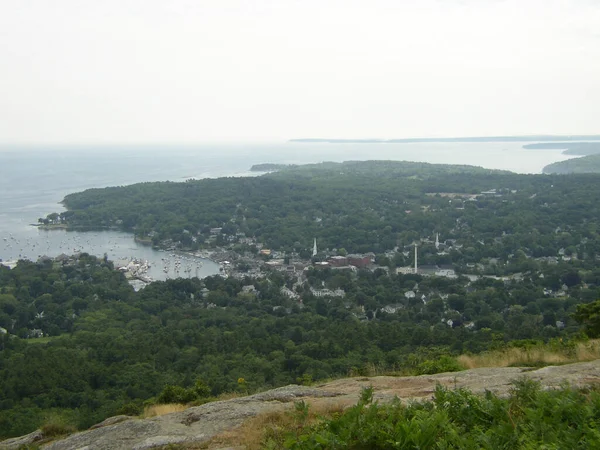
(33, 180)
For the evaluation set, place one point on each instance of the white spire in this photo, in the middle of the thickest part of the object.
(416, 266)
(315, 248)
(437, 241)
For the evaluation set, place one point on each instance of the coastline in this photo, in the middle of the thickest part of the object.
(58, 226)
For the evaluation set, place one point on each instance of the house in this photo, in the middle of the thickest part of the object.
(428, 270)
(491, 192)
(299, 266)
(327, 292)
(35, 333)
(338, 261)
(289, 293)
(249, 289)
(392, 309)
(320, 264)
(275, 263)
(62, 258)
(359, 261)
(446, 272)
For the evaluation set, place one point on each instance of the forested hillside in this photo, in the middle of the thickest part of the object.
(361, 207)
(584, 164)
(519, 254)
(107, 349)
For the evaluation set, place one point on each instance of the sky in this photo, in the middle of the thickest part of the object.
(149, 71)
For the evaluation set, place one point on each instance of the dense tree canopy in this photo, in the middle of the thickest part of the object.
(106, 349)
(361, 207)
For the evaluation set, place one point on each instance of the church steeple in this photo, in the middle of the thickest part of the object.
(416, 265)
(315, 248)
(437, 241)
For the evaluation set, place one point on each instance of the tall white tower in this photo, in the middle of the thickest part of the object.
(437, 241)
(416, 266)
(315, 248)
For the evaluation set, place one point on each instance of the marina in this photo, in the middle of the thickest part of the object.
(136, 260)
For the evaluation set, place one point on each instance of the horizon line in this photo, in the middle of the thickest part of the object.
(513, 137)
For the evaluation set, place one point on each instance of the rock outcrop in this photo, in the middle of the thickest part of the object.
(202, 423)
(23, 441)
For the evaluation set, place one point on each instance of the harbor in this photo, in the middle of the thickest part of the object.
(137, 261)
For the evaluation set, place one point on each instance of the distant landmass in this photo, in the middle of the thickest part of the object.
(570, 148)
(585, 164)
(532, 138)
(270, 167)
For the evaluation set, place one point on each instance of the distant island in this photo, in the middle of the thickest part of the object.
(532, 138)
(570, 148)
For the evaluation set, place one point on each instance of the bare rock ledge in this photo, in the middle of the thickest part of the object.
(201, 423)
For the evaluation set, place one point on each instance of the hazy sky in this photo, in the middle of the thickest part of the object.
(92, 71)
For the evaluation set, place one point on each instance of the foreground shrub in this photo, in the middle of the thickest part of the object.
(442, 364)
(178, 394)
(57, 424)
(458, 419)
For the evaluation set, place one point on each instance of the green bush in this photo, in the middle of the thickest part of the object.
(57, 424)
(131, 409)
(201, 389)
(529, 418)
(443, 364)
(178, 394)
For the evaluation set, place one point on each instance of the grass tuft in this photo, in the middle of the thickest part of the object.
(57, 424)
(162, 409)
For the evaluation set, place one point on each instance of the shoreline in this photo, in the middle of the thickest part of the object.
(126, 246)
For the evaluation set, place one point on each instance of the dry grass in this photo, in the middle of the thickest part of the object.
(168, 408)
(161, 410)
(534, 356)
(230, 395)
(253, 433)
